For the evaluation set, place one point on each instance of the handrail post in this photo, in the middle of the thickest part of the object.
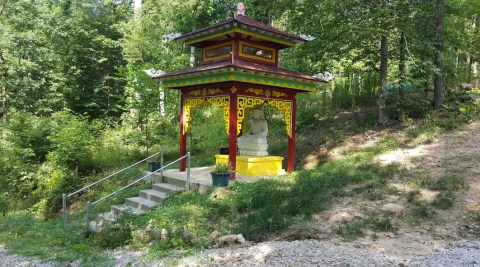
(188, 171)
(64, 202)
(88, 215)
(161, 165)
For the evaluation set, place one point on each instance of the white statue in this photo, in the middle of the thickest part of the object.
(254, 143)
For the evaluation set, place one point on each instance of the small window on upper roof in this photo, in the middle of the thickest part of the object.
(257, 52)
(218, 51)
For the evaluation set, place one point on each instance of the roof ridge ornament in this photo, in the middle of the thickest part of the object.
(153, 73)
(326, 77)
(307, 37)
(241, 9)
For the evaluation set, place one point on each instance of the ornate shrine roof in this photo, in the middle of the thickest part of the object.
(248, 62)
(244, 25)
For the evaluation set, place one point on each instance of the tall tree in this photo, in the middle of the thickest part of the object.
(439, 96)
(382, 116)
(4, 75)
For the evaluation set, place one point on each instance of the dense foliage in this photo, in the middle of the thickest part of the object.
(75, 100)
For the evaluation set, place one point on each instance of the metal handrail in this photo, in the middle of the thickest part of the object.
(65, 196)
(89, 204)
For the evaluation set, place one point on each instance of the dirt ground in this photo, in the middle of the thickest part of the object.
(452, 153)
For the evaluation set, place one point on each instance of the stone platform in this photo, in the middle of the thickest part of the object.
(255, 166)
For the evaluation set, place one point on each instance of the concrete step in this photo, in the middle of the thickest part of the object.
(153, 195)
(153, 177)
(173, 177)
(164, 187)
(118, 210)
(140, 203)
(173, 180)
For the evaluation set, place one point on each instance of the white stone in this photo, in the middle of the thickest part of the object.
(392, 207)
(232, 239)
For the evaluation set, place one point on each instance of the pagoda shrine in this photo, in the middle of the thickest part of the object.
(239, 72)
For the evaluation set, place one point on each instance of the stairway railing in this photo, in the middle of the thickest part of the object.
(90, 204)
(66, 196)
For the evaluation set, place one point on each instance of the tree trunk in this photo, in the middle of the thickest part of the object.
(382, 116)
(4, 69)
(401, 63)
(137, 9)
(4, 95)
(438, 94)
(474, 66)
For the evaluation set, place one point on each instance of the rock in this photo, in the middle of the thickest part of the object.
(143, 236)
(163, 234)
(189, 236)
(231, 239)
(220, 193)
(392, 207)
(214, 235)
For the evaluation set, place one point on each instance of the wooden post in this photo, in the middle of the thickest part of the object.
(291, 139)
(183, 136)
(232, 136)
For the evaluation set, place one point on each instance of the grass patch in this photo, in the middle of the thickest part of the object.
(350, 231)
(47, 240)
(451, 182)
(258, 210)
(444, 200)
(424, 134)
(380, 223)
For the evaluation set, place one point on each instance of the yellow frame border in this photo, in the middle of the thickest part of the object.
(204, 54)
(274, 52)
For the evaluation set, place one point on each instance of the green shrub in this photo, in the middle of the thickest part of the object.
(53, 181)
(113, 235)
(4, 204)
(413, 104)
(71, 142)
(221, 168)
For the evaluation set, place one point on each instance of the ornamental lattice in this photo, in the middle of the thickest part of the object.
(191, 103)
(249, 102)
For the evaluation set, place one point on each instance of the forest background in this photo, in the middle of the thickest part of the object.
(76, 103)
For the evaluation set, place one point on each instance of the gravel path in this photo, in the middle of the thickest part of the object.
(283, 253)
(13, 260)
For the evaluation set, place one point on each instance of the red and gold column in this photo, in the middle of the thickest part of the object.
(232, 136)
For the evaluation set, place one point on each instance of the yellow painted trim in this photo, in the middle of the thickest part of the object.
(272, 60)
(204, 51)
(255, 166)
(290, 44)
(306, 86)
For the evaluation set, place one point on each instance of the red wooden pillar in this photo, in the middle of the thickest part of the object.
(291, 139)
(183, 136)
(232, 136)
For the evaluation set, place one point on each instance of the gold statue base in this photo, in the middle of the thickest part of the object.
(255, 166)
